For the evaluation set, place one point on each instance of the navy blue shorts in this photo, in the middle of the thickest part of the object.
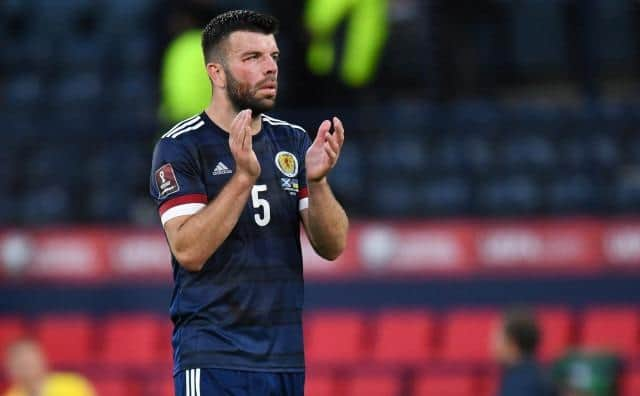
(222, 382)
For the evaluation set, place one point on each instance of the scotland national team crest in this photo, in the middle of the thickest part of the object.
(287, 163)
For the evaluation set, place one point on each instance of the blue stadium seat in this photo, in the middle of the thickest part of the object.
(444, 196)
(77, 89)
(531, 152)
(509, 195)
(626, 190)
(109, 204)
(48, 204)
(82, 54)
(347, 178)
(125, 163)
(54, 164)
(572, 193)
(392, 198)
(533, 119)
(538, 50)
(474, 117)
(614, 31)
(23, 90)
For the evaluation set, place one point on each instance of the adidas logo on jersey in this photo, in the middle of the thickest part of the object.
(221, 169)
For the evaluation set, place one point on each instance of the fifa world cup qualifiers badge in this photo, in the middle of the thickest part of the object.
(287, 163)
(166, 181)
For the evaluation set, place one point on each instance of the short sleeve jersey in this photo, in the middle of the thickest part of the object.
(243, 309)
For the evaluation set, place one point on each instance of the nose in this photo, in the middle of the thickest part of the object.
(271, 66)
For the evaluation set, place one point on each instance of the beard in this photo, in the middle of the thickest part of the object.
(242, 96)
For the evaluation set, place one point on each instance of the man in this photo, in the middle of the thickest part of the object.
(27, 371)
(232, 185)
(516, 343)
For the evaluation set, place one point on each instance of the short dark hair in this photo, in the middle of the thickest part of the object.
(520, 327)
(221, 26)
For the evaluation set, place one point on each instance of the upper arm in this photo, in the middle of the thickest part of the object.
(175, 183)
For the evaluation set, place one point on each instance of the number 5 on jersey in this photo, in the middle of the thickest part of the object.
(260, 202)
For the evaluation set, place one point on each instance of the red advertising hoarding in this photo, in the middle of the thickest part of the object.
(374, 249)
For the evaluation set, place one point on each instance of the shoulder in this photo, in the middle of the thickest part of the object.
(182, 135)
(284, 125)
(185, 129)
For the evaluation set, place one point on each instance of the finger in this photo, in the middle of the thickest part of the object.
(323, 130)
(333, 156)
(333, 143)
(248, 139)
(236, 128)
(339, 130)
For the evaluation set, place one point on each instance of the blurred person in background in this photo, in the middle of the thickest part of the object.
(232, 186)
(27, 370)
(517, 339)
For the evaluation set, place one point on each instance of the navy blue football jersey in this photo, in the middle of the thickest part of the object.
(243, 309)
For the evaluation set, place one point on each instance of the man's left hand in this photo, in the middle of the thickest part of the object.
(325, 150)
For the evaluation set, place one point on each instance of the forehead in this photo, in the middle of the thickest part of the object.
(242, 41)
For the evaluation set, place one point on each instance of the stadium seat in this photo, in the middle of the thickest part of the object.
(162, 386)
(320, 385)
(403, 337)
(509, 195)
(66, 339)
(556, 329)
(571, 193)
(131, 340)
(468, 335)
(11, 329)
(612, 328)
(373, 384)
(444, 196)
(334, 337)
(436, 384)
(630, 384)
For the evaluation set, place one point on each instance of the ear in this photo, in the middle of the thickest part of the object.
(216, 74)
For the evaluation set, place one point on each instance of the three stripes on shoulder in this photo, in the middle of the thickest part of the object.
(196, 122)
(185, 126)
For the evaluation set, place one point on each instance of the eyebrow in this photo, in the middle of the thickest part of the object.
(254, 52)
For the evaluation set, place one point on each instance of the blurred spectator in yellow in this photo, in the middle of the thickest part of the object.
(516, 342)
(27, 370)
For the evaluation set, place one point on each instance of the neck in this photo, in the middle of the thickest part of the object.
(222, 113)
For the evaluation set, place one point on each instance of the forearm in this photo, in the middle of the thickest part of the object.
(202, 233)
(328, 222)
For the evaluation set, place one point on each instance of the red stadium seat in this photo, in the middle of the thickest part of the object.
(320, 385)
(132, 340)
(403, 337)
(614, 329)
(66, 339)
(630, 384)
(445, 385)
(159, 386)
(556, 328)
(11, 328)
(373, 385)
(165, 350)
(334, 337)
(488, 383)
(468, 335)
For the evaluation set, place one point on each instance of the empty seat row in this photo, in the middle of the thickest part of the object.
(414, 337)
(127, 340)
(339, 337)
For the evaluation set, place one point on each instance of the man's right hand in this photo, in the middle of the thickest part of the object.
(240, 143)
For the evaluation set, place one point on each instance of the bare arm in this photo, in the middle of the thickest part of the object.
(193, 239)
(325, 221)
